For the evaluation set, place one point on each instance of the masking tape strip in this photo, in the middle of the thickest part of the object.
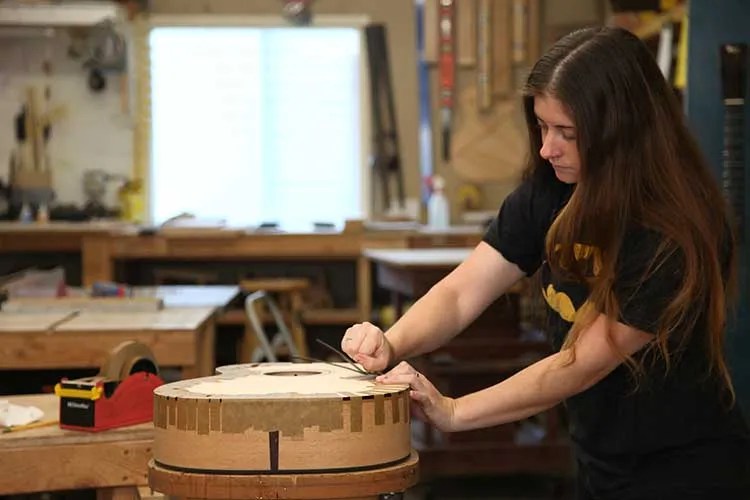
(172, 411)
(214, 419)
(190, 410)
(394, 408)
(182, 414)
(379, 409)
(202, 416)
(290, 417)
(160, 413)
(405, 406)
(355, 414)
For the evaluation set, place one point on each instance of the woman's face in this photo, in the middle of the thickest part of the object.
(559, 145)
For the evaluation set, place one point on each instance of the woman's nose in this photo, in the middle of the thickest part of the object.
(547, 151)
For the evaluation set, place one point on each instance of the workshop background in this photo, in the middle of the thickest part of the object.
(176, 157)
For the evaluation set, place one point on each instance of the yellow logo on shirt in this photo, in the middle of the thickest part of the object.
(560, 303)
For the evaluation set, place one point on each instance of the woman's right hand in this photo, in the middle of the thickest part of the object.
(368, 346)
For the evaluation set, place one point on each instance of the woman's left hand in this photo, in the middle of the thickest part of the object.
(430, 405)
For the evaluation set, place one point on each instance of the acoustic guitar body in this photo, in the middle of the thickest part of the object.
(281, 418)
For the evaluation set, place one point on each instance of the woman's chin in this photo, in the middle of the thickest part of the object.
(566, 175)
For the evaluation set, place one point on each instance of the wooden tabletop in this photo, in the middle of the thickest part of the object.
(218, 296)
(50, 435)
(91, 227)
(180, 337)
(49, 458)
(31, 322)
(177, 318)
(418, 257)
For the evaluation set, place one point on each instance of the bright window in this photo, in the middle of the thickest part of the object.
(253, 125)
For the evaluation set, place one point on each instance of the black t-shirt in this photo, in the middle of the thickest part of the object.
(673, 430)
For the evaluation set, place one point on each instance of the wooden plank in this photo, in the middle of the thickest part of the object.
(86, 339)
(272, 285)
(97, 465)
(67, 304)
(173, 319)
(261, 246)
(50, 458)
(466, 32)
(181, 296)
(37, 322)
(89, 349)
(48, 437)
(60, 227)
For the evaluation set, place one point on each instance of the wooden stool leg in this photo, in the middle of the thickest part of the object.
(247, 344)
(295, 323)
(119, 493)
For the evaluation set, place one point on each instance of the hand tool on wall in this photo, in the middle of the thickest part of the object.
(120, 394)
(520, 36)
(466, 33)
(447, 68)
(734, 62)
(484, 55)
(386, 159)
(427, 166)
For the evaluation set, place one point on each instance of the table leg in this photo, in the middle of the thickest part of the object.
(364, 288)
(119, 493)
(296, 305)
(205, 351)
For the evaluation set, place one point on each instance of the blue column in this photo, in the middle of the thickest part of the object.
(713, 23)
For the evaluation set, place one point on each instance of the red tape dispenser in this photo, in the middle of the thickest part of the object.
(121, 394)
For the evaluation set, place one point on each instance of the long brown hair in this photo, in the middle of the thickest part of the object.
(640, 166)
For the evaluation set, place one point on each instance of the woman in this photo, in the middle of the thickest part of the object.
(622, 216)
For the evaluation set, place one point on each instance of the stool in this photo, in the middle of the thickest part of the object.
(267, 349)
(288, 293)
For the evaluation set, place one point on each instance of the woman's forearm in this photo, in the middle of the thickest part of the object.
(534, 389)
(453, 303)
(433, 320)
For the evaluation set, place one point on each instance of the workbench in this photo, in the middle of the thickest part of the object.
(185, 296)
(409, 273)
(490, 349)
(50, 459)
(103, 246)
(178, 337)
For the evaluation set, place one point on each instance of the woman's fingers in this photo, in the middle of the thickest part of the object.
(429, 403)
(366, 344)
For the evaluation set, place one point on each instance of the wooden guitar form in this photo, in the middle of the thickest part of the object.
(281, 418)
